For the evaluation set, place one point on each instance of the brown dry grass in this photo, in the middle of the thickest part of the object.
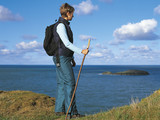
(26, 104)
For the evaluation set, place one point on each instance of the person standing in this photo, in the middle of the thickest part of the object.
(64, 71)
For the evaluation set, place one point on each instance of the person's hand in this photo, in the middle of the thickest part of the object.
(85, 51)
(73, 63)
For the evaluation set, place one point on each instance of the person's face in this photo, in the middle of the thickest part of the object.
(70, 16)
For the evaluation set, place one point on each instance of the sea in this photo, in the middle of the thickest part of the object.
(95, 92)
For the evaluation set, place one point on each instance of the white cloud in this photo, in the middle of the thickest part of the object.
(85, 7)
(5, 51)
(100, 55)
(143, 54)
(101, 51)
(96, 54)
(29, 37)
(144, 30)
(116, 42)
(29, 46)
(22, 48)
(7, 15)
(157, 10)
(134, 55)
(138, 55)
(24, 53)
(86, 37)
(143, 48)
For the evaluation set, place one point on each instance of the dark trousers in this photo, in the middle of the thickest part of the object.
(65, 85)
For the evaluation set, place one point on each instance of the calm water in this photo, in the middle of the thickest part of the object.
(95, 92)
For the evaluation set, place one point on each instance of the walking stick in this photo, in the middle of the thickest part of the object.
(77, 81)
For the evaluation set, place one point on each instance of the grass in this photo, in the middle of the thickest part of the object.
(26, 105)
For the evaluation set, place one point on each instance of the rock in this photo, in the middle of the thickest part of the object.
(128, 72)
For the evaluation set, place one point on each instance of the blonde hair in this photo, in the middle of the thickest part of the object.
(66, 8)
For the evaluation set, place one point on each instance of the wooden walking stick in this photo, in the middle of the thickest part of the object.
(77, 81)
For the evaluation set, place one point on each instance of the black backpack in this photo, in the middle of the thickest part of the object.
(49, 44)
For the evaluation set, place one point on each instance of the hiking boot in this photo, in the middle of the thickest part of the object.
(77, 116)
(59, 113)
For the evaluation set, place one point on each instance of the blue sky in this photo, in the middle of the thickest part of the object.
(122, 32)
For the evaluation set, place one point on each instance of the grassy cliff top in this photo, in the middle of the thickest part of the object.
(26, 105)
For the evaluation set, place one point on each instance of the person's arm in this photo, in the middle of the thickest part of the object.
(61, 30)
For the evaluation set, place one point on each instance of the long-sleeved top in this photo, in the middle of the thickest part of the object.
(61, 30)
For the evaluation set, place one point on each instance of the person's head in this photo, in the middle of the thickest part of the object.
(67, 11)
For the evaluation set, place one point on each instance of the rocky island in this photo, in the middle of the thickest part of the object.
(128, 72)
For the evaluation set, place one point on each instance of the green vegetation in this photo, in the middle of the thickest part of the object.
(26, 105)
